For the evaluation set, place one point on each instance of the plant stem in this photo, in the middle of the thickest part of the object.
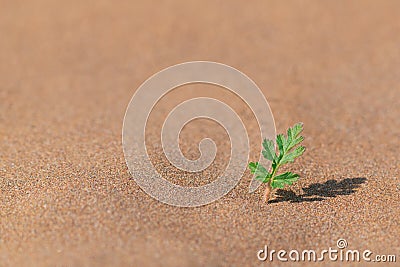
(268, 189)
(274, 171)
(267, 192)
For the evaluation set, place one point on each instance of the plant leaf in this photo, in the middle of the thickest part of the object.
(269, 150)
(260, 172)
(297, 129)
(289, 138)
(290, 157)
(297, 141)
(283, 179)
(281, 141)
(293, 136)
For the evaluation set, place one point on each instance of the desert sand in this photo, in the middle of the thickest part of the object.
(67, 73)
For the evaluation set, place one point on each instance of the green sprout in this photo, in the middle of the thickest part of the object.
(287, 153)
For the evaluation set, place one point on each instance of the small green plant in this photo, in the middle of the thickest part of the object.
(286, 153)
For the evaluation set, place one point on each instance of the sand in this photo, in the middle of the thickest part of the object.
(69, 69)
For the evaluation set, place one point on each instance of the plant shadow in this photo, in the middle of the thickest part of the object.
(320, 191)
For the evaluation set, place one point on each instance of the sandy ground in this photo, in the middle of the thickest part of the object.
(68, 70)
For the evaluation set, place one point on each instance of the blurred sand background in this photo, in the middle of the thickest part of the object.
(69, 68)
